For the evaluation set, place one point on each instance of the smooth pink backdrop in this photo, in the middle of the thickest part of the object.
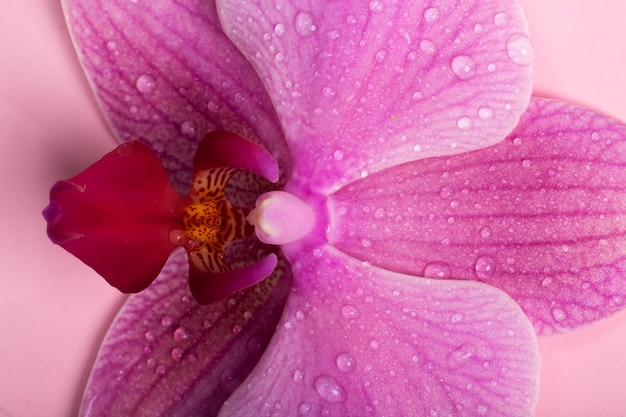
(54, 310)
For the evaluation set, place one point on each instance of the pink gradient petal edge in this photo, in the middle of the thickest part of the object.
(360, 86)
(165, 355)
(541, 215)
(165, 73)
(355, 340)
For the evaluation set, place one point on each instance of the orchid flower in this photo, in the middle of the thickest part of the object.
(427, 218)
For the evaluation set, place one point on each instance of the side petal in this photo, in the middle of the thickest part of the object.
(117, 215)
(165, 355)
(541, 215)
(165, 73)
(360, 86)
(357, 341)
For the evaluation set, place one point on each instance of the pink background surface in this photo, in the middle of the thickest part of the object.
(54, 310)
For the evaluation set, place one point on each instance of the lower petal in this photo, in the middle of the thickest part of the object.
(541, 215)
(165, 355)
(356, 340)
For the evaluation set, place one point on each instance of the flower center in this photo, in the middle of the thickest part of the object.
(211, 222)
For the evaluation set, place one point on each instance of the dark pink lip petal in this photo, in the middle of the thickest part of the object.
(116, 216)
(165, 355)
(363, 85)
(209, 288)
(165, 73)
(541, 215)
(224, 149)
(356, 340)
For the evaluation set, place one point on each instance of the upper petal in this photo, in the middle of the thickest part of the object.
(541, 215)
(360, 341)
(165, 355)
(360, 86)
(165, 73)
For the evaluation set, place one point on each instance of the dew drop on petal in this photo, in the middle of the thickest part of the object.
(305, 24)
(519, 48)
(329, 389)
(176, 354)
(437, 270)
(166, 321)
(485, 232)
(376, 6)
(349, 312)
(149, 336)
(464, 123)
(456, 318)
(428, 47)
(485, 267)
(189, 129)
(559, 314)
(280, 30)
(485, 112)
(304, 408)
(460, 356)
(431, 15)
(463, 66)
(181, 334)
(345, 362)
(145, 83)
(501, 19)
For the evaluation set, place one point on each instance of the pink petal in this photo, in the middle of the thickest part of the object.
(165, 355)
(541, 216)
(363, 85)
(164, 72)
(107, 217)
(357, 340)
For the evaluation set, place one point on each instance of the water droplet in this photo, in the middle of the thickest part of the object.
(464, 123)
(478, 28)
(519, 48)
(229, 381)
(151, 363)
(236, 329)
(485, 112)
(501, 19)
(437, 270)
(298, 375)
(485, 232)
(345, 362)
(526, 163)
(379, 213)
(328, 92)
(304, 408)
(160, 370)
(176, 354)
(417, 148)
(376, 6)
(166, 321)
(485, 267)
(212, 106)
(445, 192)
(595, 136)
(431, 15)
(380, 56)
(111, 45)
(329, 389)
(428, 47)
(181, 334)
(461, 356)
(305, 24)
(280, 30)
(456, 318)
(349, 312)
(145, 83)
(559, 314)
(338, 155)
(189, 129)
(149, 336)
(482, 409)
(463, 66)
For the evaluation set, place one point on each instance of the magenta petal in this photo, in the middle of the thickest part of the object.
(363, 85)
(167, 356)
(355, 340)
(209, 288)
(164, 72)
(541, 216)
(225, 149)
(107, 217)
